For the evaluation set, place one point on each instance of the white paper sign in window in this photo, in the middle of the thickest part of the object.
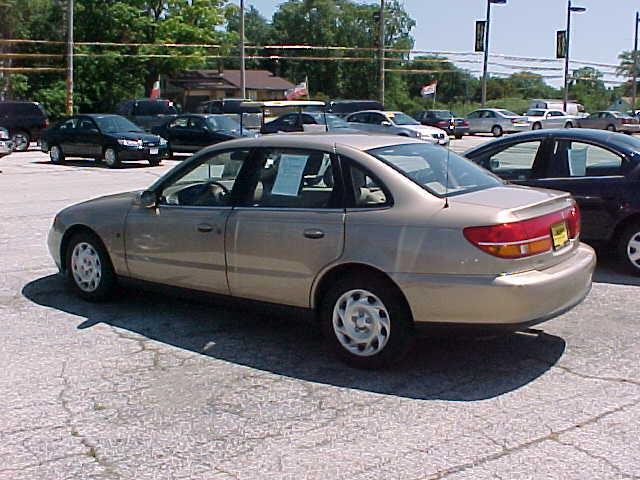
(577, 161)
(216, 171)
(289, 178)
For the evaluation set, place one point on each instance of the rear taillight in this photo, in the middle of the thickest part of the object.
(46, 123)
(465, 123)
(442, 123)
(524, 238)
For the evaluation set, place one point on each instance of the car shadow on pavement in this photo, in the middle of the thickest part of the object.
(92, 164)
(445, 368)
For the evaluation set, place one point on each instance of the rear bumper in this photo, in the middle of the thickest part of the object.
(525, 127)
(509, 300)
(6, 147)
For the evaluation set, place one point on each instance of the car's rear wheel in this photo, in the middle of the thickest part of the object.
(89, 267)
(536, 126)
(154, 162)
(21, 141)
(458, 137)
(56, 155)
(611, 128)
(366, 321)
(568, 125)
(496, 131)
(111, 158)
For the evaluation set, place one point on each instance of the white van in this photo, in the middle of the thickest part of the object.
(573, 108)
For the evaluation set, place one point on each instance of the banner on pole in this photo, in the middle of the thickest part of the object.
(480, 33)
(561, 44)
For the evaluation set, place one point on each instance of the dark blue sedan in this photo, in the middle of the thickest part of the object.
(600, 169)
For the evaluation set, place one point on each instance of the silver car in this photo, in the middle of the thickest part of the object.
(612, 121)
(542, 118)
(378, 236)
(6, 145)
(396, 123)
(496, 121)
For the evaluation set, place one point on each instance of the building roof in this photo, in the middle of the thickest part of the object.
(230, 80)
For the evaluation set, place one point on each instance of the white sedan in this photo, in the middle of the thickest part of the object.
(543, 118)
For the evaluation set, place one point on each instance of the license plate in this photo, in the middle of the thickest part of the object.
(559, 235)
(153, 151)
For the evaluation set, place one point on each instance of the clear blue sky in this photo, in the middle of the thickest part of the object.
(522, 27)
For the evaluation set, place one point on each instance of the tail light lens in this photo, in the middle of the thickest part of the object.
(524, 238)
(46, 123)
(465, 123)
(442, 123)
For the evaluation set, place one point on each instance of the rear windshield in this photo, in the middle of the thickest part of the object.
(427, 165)
(507, 113)
(400, 118)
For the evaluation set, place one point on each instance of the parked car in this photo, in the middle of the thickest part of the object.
(192, 132)
(147, 112)
(600, 169)
(6, 145)
(612, 121)
(496, 121)
(25, 122)
(307, 122)
(243, 110)
(541, 118)
(445, 120)
(342, 108)
(111, 138)
(396, 123)
(398, 234)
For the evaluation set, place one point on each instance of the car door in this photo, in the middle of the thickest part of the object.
(65, 136)
(594, 175)
(519, 162)
(181, 241)
(289, 226)
(177, 134)
(555, 119)
(87, 138)
(474, 121)
(198, 134)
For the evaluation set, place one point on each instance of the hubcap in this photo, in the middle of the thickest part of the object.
(55, 154)
(20, 141)
(361, 323)
(633, 250)
(110, 157)
(86, 267)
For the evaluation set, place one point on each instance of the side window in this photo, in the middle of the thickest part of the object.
(292, 178)
(195, 123)
(308, 120)
(474, 115)
(208, 183)
(86, 124)
(514, 162)
(68, 125)
(367, 192)
(577, 159)
(377, 119)
(556, 114)
(290, 120)
(179, 123)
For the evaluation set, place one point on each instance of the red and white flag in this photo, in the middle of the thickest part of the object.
(300, 90)
(155, 90)
(429, 89)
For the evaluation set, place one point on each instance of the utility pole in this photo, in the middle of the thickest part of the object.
(381, 53)
(634, 87)
(570, 9)
(69, 57)
(485, 65)
(243, 85)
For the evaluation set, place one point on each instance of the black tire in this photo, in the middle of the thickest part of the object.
(458, 137)
(21, 141)
(56, 158)
(611, 128)
(624, 249)
(536, 126)
(399, 337)
(496, 130)
(154, 162)
(568, 125)
(107, 280)
(109, 160)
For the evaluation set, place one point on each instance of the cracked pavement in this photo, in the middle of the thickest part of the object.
(152, 386)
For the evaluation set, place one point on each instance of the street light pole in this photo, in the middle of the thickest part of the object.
(634, 87)
(381, 53)
(69, 103)
(570, 9)
(243, 86)
(486, 49)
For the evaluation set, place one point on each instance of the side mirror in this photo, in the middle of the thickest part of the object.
(94, 130)
(385, 123)
(148, 199)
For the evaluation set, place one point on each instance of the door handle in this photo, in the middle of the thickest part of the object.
(313, 233)
(204, 227)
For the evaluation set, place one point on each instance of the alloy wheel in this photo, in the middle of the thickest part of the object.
(86, 267)
(633, 250)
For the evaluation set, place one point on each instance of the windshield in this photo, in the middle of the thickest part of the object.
(507, 113)
(427, 165)
(222, 122)
(333, 121)
(400, 118)
(535, 113)
(116, 123)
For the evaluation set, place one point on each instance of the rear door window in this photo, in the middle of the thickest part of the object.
(578, 159)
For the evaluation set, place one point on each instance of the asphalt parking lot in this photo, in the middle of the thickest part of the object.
(150, 386)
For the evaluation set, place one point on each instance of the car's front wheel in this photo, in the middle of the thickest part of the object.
(89, 267)
(496, 131)
(56, 155)
(111, 158)
(366, 321)
(21, 141)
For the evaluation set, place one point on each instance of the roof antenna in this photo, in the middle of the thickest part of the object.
(446, 186)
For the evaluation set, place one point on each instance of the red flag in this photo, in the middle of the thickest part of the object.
(155, 91)
(429, 89)
(298, 91)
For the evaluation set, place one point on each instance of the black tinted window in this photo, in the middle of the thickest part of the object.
(155, 108)
(21, 109)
